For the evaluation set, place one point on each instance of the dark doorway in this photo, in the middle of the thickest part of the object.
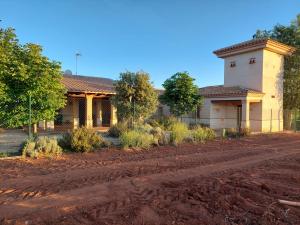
(106, 110)
(239, 117)
(82, 111)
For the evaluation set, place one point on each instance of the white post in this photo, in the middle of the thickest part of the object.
(245, 114)
(99, 112)
(75, 113)
(113, 115)
(89, 111)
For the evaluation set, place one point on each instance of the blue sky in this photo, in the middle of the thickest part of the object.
(160, 37)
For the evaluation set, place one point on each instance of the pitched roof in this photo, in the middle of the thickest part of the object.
(255, 44)
(77, 83)
(221, 91)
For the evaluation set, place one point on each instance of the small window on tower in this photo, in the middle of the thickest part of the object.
(232, 64)
(252, 61)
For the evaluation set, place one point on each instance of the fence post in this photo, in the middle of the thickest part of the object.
(29, 122)
(295, 120)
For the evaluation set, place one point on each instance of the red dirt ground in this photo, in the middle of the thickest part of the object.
(220, 182)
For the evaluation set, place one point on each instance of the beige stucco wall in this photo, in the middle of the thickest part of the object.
(255, 116)
(244, 74)
(205, 112)
(266, 75)
(272, 107)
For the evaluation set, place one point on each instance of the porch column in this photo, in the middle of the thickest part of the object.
(113, 115)
(35, 128)
(42, 124)
(245, 114)
(89, 111)
(50, 125)
(75, 112)
(99, 112)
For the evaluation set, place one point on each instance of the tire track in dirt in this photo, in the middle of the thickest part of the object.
(90, 177)
(109, 198)
(111, 173)
(23, 168)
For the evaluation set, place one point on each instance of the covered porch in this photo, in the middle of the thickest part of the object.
(237, 113)
(88, 104)
(91, 110)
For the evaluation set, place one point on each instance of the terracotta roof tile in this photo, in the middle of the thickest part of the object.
(221, 91)
(255, 44)
(77, 83)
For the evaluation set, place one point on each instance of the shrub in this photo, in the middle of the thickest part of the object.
(179, 132)
(41, 147)
(82, 140)
(164, 122)
(193, 126)
(244, 132)
(235, 133)
(136, 139)
(144, 128)
(202, 134)
(4, 154)
(117, 129)
(153, 122)
(160, 136)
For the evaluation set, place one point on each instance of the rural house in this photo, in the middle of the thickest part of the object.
(251, 96)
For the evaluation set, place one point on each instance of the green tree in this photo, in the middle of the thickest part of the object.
(289, 35)
(135, 96)
(181, 94)
(25, 72)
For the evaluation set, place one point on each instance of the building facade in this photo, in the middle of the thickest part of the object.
(252, 94)
(251, 97)
(88, 104)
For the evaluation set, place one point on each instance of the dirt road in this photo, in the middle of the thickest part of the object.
(220, 182)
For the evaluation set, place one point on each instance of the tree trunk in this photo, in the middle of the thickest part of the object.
(287, 119)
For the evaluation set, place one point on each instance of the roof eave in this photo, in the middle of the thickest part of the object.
(268, 44)
(92, 92)
(234, 95)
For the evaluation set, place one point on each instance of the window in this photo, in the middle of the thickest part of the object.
(252, 61)
(232, 64)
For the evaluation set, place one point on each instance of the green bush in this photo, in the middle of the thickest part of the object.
(193, 126)
(143, 127)
(236, 133)
(41, 147)
(154, 122)
(160, 136)
(82, 140)
(202, 134)
(136, 139)
(117, 129)
(4, 154)
(164, 122)
(179, 132)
